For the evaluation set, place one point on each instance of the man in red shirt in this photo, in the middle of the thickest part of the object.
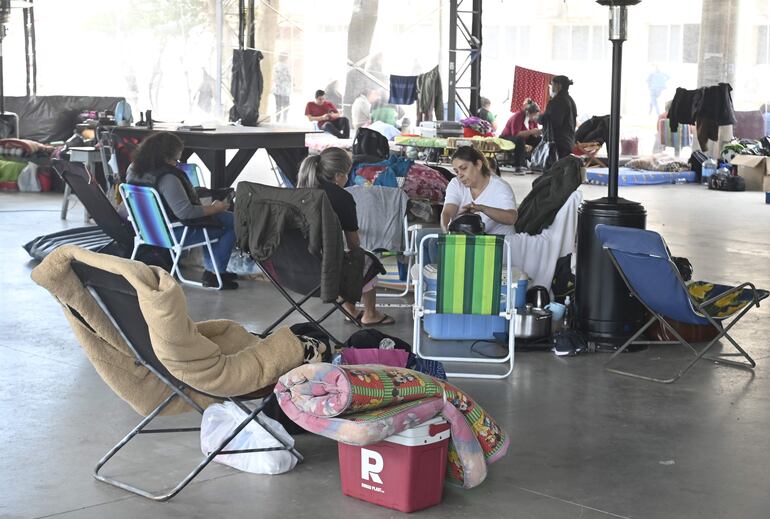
(326, 115)
(522, 129)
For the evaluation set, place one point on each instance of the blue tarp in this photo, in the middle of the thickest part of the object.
(637, 177)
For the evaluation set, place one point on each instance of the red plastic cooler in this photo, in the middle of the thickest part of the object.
(404, 472)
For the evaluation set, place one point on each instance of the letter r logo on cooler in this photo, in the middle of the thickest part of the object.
(371, 465)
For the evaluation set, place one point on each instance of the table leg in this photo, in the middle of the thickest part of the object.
(215, 162)
(236, 165)
(66, 202)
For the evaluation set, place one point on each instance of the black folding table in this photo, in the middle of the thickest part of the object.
(285, 145)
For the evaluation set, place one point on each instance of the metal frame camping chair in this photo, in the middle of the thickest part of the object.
(641, 258)
(409, 252)
(153, 227)
(119, 302)
(469, 282)
(292, 267)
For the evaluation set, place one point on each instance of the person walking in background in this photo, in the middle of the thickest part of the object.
(282, 87)
(656, 82)
(326, 115)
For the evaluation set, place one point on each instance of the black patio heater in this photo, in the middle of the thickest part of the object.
(605, 310)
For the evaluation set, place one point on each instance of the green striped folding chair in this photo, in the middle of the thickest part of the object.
(469, 283)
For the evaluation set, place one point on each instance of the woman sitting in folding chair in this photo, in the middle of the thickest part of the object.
(154, 165)
(329, 171)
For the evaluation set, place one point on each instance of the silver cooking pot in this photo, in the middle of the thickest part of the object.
(532, 323)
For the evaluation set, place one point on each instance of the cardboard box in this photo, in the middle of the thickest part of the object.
(755, 170)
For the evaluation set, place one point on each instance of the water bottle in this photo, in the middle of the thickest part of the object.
(709, 168)
(521, 291)
(567, 321)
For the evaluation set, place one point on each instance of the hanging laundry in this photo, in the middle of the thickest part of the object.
(530, 84)
(430, 96)
(403, 90)
(707, 107)
(246, 86)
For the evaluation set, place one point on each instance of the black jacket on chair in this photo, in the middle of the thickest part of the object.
(265, 215)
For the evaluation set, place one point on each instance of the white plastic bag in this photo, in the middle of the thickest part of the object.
(27, 181)
(220, 420)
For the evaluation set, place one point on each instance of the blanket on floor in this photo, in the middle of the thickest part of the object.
(362, 405)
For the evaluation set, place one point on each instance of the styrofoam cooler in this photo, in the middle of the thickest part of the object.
(404, 472)
(457, 327)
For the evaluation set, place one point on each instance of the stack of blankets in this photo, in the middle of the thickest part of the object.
(363, 405)
(23, 149)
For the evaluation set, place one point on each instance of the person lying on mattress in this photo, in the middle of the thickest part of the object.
(154, 165)
(329, 171)
(476, 190)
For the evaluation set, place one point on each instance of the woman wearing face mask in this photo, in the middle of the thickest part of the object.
(476, 190)
(522, 129)
(560, 115)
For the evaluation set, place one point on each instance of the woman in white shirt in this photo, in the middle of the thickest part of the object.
(476, 190)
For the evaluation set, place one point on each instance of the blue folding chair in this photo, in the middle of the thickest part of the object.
(153, 227)
(642, 260)
(193, 172)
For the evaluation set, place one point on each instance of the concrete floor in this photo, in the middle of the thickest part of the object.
(585, 443)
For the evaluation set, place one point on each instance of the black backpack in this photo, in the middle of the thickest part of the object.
(370, 146)
(696, 163)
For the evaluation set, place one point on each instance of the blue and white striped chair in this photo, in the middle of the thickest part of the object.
(153, 227)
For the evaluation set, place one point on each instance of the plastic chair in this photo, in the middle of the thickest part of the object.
(153, 227)
(469, 282)
(642, 260)
(118, 300)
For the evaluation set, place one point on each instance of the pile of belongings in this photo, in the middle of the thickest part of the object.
(419, 180)
(478, 125)
(745, 147)
(363, 405)
(18, 149)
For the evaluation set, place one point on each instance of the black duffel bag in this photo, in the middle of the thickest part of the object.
(723, 181)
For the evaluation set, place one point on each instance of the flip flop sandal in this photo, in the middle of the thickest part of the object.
(386, 319)
(359, 315)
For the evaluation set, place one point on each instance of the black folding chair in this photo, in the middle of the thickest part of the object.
(118, 299)
(292, 267)
(91, 195)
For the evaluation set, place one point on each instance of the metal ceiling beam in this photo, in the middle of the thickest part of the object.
(464, 89)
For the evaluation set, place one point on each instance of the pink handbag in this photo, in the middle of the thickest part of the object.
(395, 358)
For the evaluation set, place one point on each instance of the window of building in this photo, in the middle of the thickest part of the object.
(579, 42)
(673, 43)
(506, 42)
(763, 45)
